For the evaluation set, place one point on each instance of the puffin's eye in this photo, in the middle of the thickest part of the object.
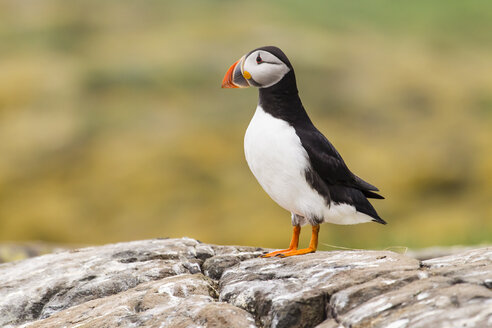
(258, 59)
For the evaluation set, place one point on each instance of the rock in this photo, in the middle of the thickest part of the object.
(178, 301)
(433, 252)
(185, 283)
(227, 256)
(19, 251)
(293, 292)
(450, 291)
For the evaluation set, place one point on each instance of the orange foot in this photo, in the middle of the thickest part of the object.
(278, 253)
(297, 252)
(294, 242)
(292, 250)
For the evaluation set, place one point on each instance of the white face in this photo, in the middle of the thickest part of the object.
(263, 68)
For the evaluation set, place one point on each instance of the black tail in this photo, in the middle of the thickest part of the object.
(356, 198)
(364, 184)
(370, 194)
(379, 220)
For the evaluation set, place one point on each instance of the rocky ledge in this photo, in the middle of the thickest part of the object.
(185, 283)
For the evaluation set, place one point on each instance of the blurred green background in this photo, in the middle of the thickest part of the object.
(113, 125)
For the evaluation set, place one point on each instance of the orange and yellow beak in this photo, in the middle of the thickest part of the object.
(234, 78)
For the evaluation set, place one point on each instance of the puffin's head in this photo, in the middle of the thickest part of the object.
(262, 68)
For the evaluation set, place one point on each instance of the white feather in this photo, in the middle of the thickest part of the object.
(267, 73)
(278, 161)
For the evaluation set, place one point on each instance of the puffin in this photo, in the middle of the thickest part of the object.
(291, 159)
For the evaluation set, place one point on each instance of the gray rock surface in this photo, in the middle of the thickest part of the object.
(184, 283)
(22, 250)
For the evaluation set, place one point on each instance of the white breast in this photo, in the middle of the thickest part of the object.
(278, 161)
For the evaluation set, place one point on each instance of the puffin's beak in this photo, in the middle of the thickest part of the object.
(234, 77)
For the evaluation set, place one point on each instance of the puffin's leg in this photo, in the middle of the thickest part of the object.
(313, 244)
(294, 242)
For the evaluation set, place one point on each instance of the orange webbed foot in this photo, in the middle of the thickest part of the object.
(294, 252)
(278, 253)
(294, 242)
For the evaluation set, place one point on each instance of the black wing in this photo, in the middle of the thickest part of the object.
(328, 163)
(337, 182)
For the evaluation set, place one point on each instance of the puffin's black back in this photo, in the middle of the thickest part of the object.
(328, 175)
